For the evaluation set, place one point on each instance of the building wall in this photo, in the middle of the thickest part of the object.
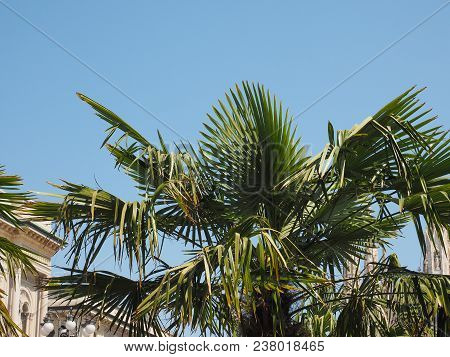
(26, 304)
(437, 257)
(436, 261)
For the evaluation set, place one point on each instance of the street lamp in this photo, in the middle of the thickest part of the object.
(89, 329)
(47, 326)
(71, 325)
(68, 328)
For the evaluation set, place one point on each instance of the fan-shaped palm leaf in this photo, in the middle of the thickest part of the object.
(271, 228)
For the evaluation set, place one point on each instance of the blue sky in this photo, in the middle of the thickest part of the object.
(177, 58)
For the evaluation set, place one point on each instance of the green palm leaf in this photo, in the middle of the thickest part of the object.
(271, 228)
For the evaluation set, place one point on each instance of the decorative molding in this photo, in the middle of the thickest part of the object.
(31, 239)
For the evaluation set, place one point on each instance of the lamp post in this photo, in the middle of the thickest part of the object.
(88, 329)
(47, 326)
(71, 324)
(69, 328)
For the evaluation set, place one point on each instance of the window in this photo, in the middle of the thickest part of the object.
(24, 315)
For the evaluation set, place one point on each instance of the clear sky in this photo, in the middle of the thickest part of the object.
(177, 58)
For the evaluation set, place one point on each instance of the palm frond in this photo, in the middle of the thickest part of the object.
(271, 228)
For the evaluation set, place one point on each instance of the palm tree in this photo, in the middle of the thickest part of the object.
(271, 229)
(12, 257)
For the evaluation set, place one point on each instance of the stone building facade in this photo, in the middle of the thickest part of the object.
(28, 306)
(436, 261)
(437, 257)
(25, 302)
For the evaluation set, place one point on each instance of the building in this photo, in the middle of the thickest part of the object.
(436, 261)
(366, 265)
(437, 257)
(26, 303)
(30, 307)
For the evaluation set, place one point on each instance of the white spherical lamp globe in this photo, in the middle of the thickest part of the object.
(47, 328)
(83, 333)
(71, 325)
(89, 329)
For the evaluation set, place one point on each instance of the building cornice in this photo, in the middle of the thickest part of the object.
(39, 238)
